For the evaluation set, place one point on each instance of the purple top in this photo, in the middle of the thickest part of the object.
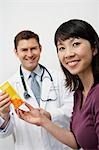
(85, 119)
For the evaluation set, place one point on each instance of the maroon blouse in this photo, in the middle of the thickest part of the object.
(85, 119)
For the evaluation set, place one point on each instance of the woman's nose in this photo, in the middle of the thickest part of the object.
(69, 53)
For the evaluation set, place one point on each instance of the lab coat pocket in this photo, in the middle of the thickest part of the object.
(52, 94)
(49, 90)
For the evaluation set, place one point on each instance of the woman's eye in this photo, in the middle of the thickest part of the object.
(76, 44)
(61, 49)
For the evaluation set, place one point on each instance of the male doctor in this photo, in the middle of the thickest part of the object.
(54, 98)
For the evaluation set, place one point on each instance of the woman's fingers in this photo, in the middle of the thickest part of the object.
(25, 115)
(20, 113)
(34, 115)
(29, 106)
(45, 113)
(28, 117)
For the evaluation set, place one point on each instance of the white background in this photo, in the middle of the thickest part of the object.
(42, 17)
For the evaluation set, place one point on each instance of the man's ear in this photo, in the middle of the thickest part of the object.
(15, 51)
(40, 47)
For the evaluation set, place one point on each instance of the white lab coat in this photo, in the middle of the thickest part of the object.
(31, 137)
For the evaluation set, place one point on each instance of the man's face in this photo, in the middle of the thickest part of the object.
(28, 52)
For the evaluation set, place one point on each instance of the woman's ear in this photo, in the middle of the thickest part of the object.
(94, 51)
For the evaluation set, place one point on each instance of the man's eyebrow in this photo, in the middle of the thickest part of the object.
(23, 48)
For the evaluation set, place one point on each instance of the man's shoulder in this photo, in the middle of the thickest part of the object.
(57, 73)
(14, 77)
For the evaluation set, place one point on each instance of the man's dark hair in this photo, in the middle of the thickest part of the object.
(26, 34)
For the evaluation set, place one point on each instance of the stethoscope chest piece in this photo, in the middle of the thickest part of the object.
(26, 95)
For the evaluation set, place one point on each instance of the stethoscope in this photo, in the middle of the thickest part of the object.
(26, 94)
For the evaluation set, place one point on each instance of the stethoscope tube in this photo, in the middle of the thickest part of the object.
(44, 68)
(26, 95)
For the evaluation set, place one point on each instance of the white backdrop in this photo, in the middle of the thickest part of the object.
(42, 17)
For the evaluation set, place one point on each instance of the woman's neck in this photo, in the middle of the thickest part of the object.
(87, 81)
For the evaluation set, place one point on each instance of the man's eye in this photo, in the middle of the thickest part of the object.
(61, 49)
(76, 44)
(34, 48)
(24, 49)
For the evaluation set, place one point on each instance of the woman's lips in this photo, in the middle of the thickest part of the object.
(72, 63)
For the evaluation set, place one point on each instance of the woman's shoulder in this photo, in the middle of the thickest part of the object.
(95, 96)
(95, 89)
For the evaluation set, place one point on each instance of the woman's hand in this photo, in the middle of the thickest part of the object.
(42, 118)
(35, 116)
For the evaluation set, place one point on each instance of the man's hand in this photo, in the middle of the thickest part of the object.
(4, 105)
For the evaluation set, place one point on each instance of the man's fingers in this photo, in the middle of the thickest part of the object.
(2, 92)
(5, 108)
(4, 96)
(5, 101)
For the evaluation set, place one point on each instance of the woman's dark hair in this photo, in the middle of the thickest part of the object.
(25, 34)
(78, 28)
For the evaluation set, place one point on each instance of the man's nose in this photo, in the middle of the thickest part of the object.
(29, 52)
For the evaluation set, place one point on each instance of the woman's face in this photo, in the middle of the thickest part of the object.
(76, 54)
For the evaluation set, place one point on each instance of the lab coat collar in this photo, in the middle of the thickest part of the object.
(27, 73)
